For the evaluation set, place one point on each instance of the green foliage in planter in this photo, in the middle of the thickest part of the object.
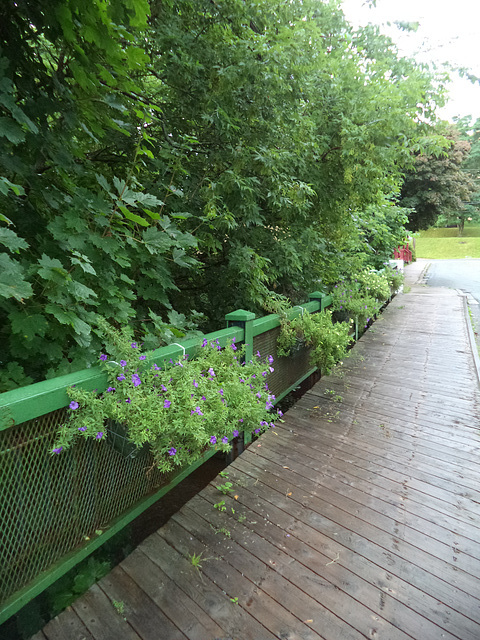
(394, 277)
(179, 408)
(329, 340)
(363, 295)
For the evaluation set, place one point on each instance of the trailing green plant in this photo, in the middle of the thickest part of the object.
(362, 295)
(394, 277)
(329, 341)
(180, 408)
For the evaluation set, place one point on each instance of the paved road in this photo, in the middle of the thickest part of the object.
(459, 274)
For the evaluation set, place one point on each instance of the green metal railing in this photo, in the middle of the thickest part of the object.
(56, 510)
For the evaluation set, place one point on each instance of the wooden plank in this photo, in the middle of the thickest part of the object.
(445, 502)
(100, 617)
(347, 571)
(38, 636)
(309, 545)
(429, 473)
(274, 450)
(413, 565)
(324, 585)
(390, 517)
(451, 446)
(251, 595)
(274, 570)
(212, 598)
(169, 598)
(136, 608)
(352, 519)
(377, 438)
(67, 625)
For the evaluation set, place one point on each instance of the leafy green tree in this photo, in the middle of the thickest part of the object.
(437, 185)
(168, 156)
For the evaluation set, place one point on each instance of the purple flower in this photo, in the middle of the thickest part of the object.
(235, 433)
(134, 345)
(197, 410)
(73, 405)
(136, 380)
(263, 423)
(253, 375)
(280, 413)
(213, 440)
(195, 383)
(241, 420)
(121, 377)
(99, 435)
(259, 395)
(271, 369)
(142, 357)
(203, 398)
(128, 401)
(264, 373)
(57, 450)
(156, 367)
(123, 363)
(164, 388)
(166, 404)
(234, 347)
(270, 359)
(205, 343)
(172, 451)
(257, 431)
(221, 392)
(82, 428)
(272, 424)
(211, 372)
(225, 440)
(110, 389)
(103, 357)
(241, 380)
(258, 354)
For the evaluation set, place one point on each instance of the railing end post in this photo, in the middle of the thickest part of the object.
(319, 297)
(243, 319)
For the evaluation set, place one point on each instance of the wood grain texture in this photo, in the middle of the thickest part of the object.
(357, 517)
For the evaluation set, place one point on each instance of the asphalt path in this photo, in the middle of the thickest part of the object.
(459, 274)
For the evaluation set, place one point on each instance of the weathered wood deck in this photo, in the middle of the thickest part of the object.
(358, 517)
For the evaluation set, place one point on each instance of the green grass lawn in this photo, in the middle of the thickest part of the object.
(445, 243)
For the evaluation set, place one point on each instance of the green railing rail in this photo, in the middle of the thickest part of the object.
(55, 511)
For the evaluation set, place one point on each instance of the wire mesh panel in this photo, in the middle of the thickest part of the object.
(50, 505)
(287, 371)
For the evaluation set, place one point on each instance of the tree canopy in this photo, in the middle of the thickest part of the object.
(164, 162)
(437, 187)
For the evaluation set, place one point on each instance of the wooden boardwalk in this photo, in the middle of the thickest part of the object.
(358, 517)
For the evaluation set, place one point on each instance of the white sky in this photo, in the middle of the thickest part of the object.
(449, 31)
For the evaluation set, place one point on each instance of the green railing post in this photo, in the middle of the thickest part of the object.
(320, 297)
(244, 319)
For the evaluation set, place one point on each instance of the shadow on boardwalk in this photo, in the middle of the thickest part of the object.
(358, 517)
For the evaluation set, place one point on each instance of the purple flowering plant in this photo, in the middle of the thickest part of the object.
(179, 411)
